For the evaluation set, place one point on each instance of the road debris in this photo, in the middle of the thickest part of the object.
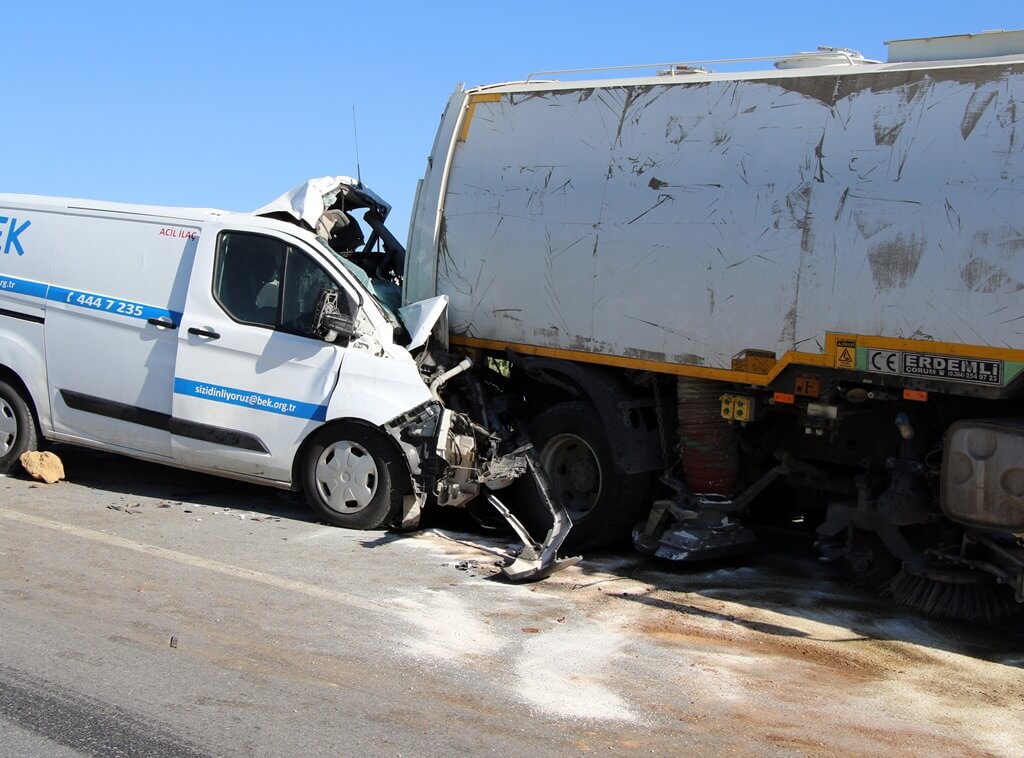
(174, 640)
(43, 466)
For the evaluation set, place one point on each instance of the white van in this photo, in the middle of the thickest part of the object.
(241, 345)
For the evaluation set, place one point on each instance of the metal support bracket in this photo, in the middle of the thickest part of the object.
(537, 559)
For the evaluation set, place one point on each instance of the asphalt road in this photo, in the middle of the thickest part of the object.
(148, 611)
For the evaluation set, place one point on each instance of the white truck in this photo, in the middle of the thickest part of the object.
(794, 291)
(241, 345)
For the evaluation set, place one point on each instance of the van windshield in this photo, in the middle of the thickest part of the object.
(386, 295)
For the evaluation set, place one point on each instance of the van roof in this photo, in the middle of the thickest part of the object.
(46, 203)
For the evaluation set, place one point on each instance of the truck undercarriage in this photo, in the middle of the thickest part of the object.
(918, 498)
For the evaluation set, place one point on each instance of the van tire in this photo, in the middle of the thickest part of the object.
(602, 500)
(17, 428)
(353, 477)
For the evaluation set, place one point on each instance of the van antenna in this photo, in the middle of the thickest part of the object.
(355, 133)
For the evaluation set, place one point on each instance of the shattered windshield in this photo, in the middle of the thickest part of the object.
(386, 295)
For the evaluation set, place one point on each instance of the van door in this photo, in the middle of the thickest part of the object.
(251, 380)
(117, 292)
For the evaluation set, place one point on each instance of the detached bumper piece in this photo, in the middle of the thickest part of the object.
(537, 560)
(703, 531)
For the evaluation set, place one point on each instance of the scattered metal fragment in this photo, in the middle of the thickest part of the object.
(537, 559)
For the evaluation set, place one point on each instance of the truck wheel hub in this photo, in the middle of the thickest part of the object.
(575, 472)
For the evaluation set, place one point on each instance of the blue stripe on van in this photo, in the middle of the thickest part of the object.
(249, 399)
(114, 305)
(22, 287)
(87, 300)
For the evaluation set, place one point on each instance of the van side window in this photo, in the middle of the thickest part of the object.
(266, 282)
(247, 276)
(302, 283)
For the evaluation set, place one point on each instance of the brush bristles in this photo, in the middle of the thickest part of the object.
(974, 601)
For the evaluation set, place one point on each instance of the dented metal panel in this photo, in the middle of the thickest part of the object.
(685, 221)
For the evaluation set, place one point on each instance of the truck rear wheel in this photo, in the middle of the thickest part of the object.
(602, 500)
(352, 477)
(17, 427)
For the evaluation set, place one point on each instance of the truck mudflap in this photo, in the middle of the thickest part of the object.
(537, 560)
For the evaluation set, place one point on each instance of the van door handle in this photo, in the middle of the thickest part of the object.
(161, 323)
(204, 333)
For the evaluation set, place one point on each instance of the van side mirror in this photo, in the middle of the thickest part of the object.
(330, 323)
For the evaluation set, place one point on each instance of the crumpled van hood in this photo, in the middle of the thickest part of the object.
(309, 200)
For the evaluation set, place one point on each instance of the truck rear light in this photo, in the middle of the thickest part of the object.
(983, 474)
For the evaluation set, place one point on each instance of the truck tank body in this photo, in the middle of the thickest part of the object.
(672, 223)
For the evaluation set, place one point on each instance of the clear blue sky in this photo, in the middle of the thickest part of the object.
(228, 104)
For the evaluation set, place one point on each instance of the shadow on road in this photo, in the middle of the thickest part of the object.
(134, 478)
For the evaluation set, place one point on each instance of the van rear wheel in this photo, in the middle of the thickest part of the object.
(353, 477)
(17, 427)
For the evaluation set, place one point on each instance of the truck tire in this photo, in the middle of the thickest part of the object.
(602, 500)
(353, 477)
(17, 427)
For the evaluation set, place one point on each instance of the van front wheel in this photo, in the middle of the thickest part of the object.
(17, 427)
(353, 477)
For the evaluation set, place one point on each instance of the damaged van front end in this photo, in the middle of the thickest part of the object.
(454, 461)
(455, 450)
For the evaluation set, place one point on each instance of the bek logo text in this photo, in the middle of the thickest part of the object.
(10, 231)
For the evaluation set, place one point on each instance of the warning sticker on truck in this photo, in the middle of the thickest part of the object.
(846, 354)
(942, 367)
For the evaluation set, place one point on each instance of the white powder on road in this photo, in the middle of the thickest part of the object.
(445, 627)
(565, 672)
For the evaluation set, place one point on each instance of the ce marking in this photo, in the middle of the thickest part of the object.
(884, 361)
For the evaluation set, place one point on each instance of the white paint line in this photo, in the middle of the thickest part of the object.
(155, 551)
